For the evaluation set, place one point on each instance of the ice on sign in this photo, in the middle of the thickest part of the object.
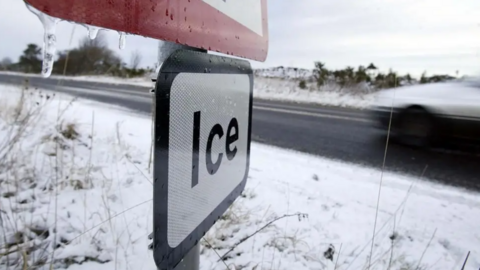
(50, 39)
(121, 42)
(92, 31)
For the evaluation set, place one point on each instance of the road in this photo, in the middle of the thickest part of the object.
(342, 134)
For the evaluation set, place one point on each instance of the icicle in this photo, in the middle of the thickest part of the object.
(121, 43)
(49, 40)
(92, 31)
(49, 46)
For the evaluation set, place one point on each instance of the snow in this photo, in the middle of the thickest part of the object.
(284, 73)
(99, 170)
(328, 95)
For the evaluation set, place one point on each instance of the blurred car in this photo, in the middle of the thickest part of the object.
(423, 114)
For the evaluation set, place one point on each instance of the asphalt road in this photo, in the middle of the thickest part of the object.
(343, 134)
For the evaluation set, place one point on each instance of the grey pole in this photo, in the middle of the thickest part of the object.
(191, 261)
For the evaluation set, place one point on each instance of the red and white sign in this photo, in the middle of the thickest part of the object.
(236, 27)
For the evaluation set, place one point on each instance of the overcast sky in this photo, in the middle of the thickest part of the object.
(440, 36)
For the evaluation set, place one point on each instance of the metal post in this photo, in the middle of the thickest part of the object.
(191, 261)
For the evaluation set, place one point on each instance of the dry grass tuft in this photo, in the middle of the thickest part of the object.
(69, 131)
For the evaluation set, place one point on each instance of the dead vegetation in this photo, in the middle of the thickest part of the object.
(29, 236)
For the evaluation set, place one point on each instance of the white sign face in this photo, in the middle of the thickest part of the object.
(246, 12)
(208, 112)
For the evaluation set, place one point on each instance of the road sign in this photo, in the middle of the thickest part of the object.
(237, 27)
(202, 147)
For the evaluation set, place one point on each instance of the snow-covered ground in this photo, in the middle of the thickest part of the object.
(284, 73)
(75, 188)
(328, 95)
(265, 87)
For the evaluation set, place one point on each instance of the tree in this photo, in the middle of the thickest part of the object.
(5, 63)
(361, 75)
(424, 78)
(380, 77)
(135, 59)
(349, 72)
(391, 80)
(30, 60)
(320, 73)
(408, 78)
(371, 67)
(440, 78)
(91, 57)
(371, 70)
(340, 77)
(379, 80)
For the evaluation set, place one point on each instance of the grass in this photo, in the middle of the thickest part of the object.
(30, 240)
(17, 121)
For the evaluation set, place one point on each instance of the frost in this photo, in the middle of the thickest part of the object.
(49, 40)
(121, 42)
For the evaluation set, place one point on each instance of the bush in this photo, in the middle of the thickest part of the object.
(302, 84)
(350, 77)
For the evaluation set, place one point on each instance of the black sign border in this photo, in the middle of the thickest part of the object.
(186, 61)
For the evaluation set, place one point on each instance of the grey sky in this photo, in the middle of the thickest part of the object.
(406, 35)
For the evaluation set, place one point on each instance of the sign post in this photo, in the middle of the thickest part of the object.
(191, 261)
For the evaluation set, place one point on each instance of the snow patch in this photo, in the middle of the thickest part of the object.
(285, 73)
(328, 95)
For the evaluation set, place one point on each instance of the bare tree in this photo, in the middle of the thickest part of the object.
(135, 59)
